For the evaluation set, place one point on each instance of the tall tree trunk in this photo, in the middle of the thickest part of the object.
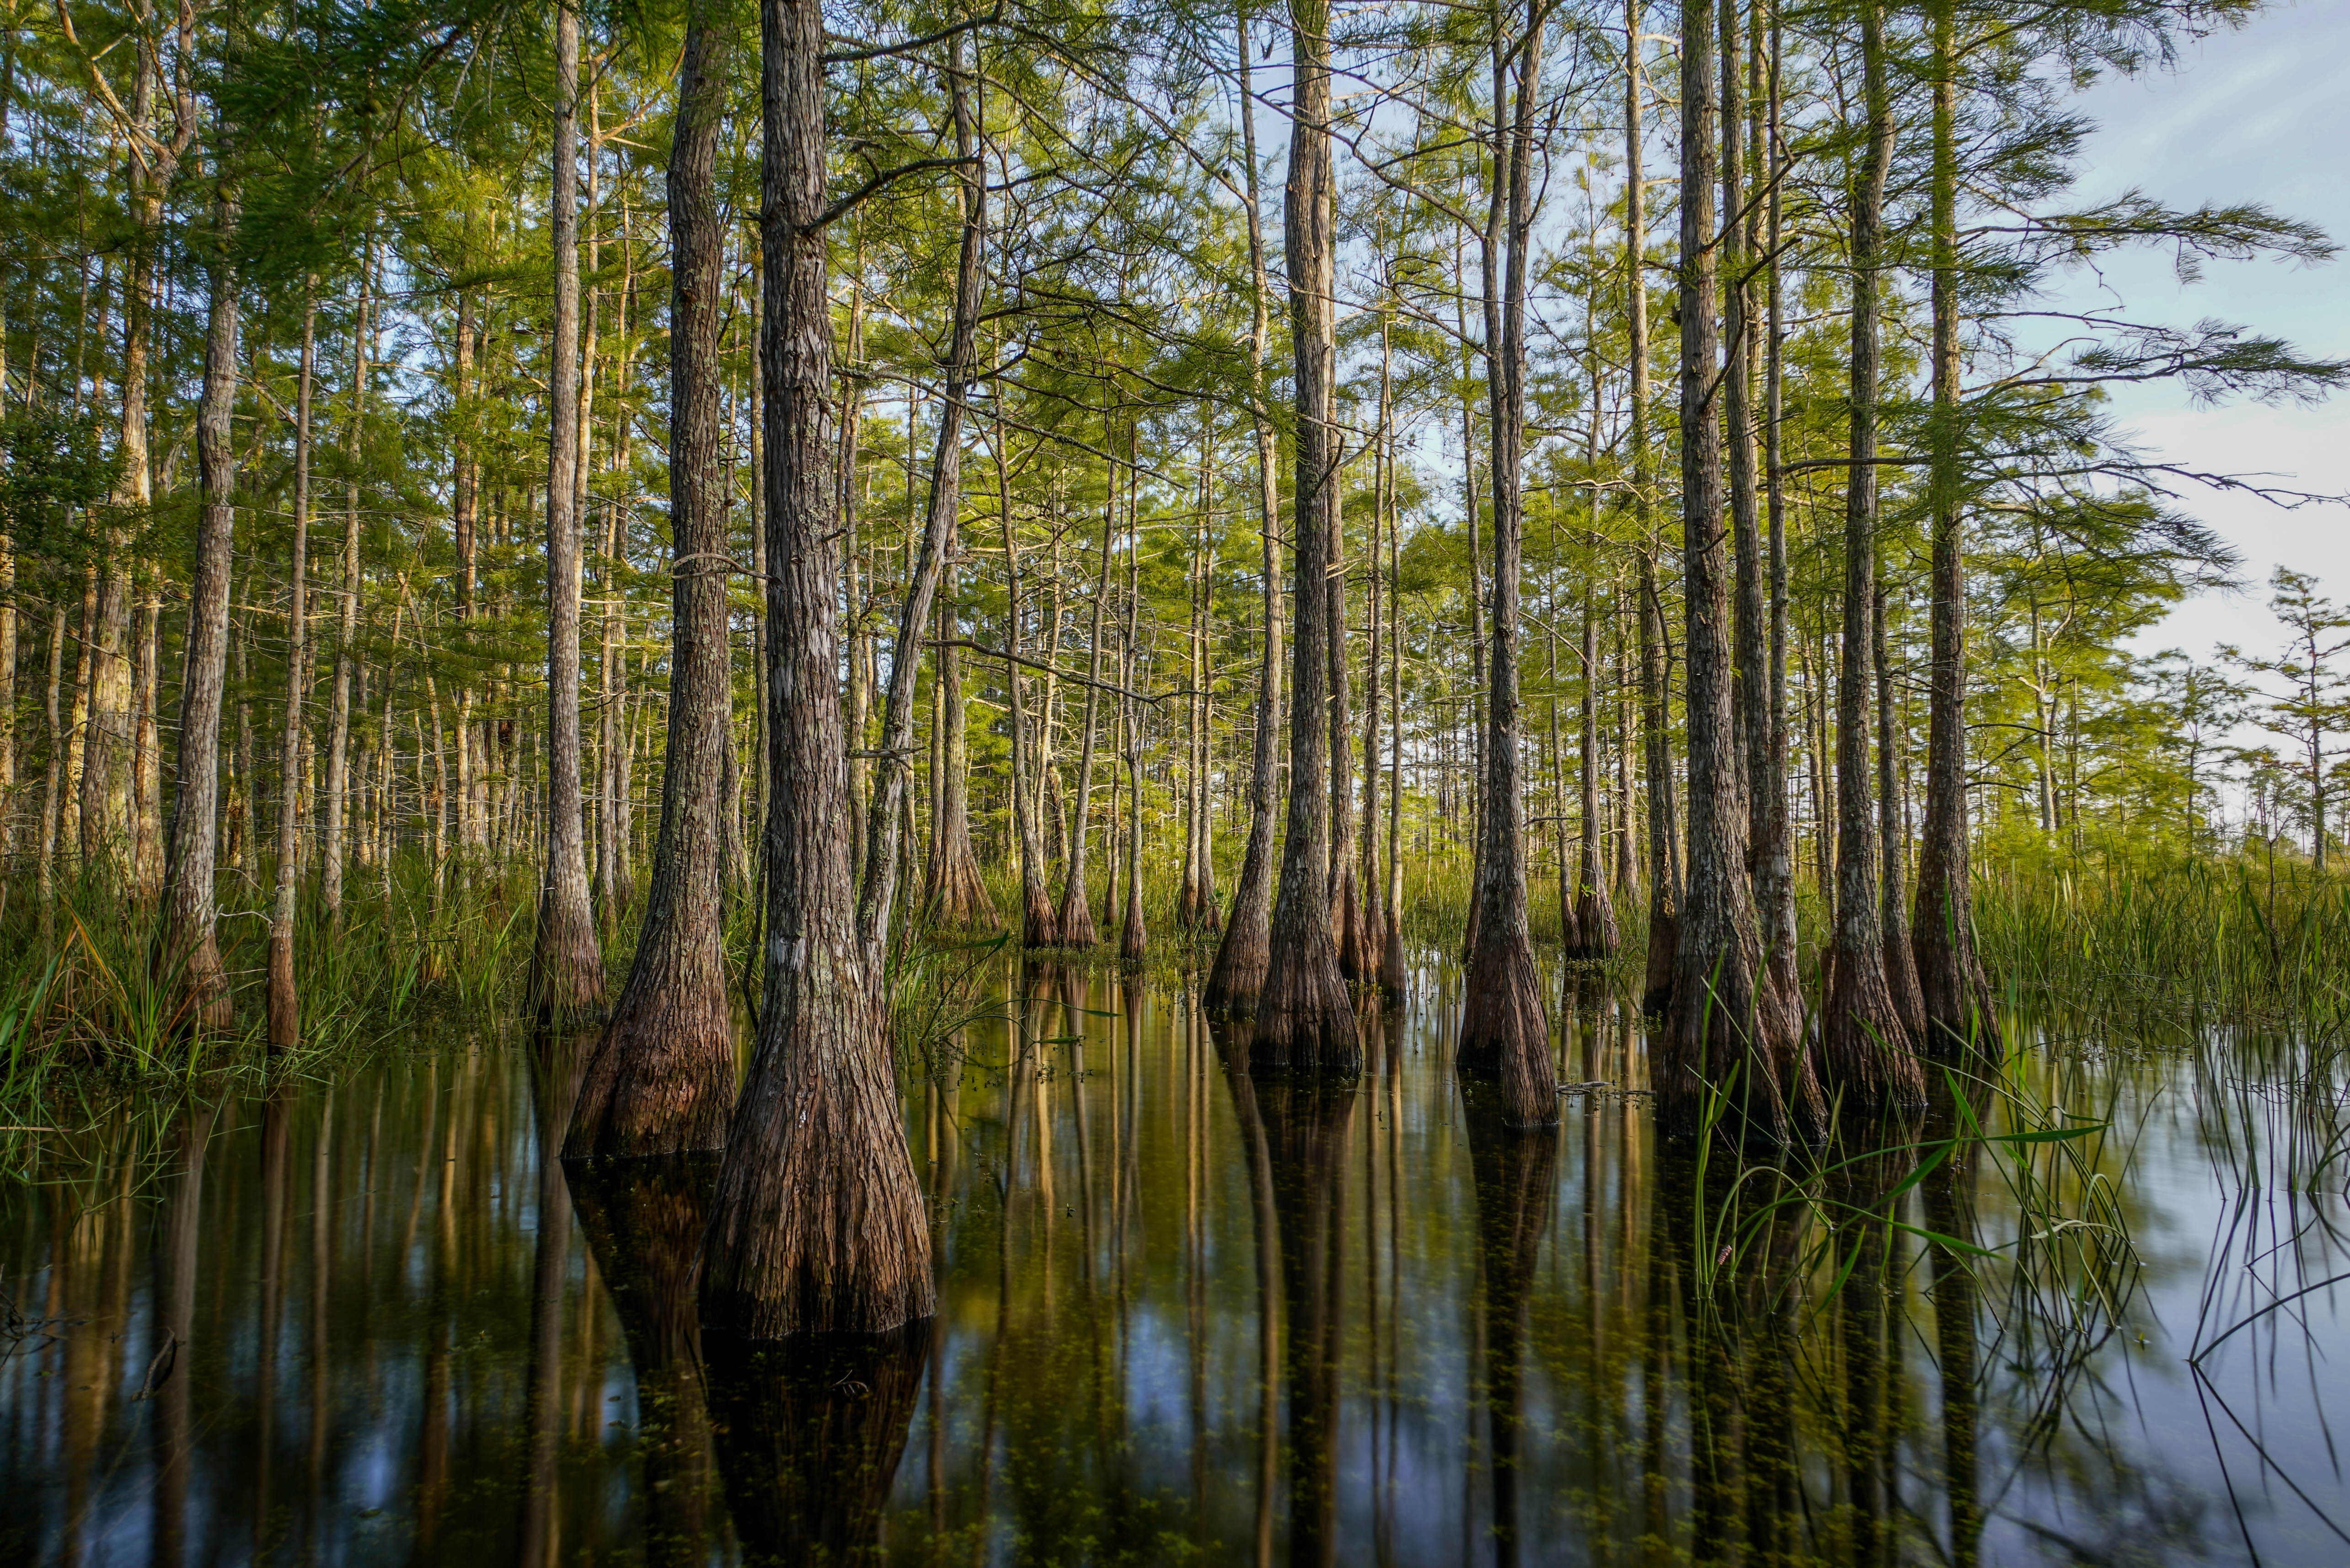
(1721, 1028)
(1134, 935)
(1391, 958)
(284, 1000)
(1956, 997)
(1076, 897)
(1656, 736)
(1595, 911)
(662, 1080)
(339, 724)
(1505, 1028)
(1305, 1018)
(884, 823)
(819, 1223)
(1865, 1049)
(104, 722)
(1371, 921)
(191, 912)
(957, 895)
(1900, 966)
(567, 963)
(1346, 899)
(1239, 972)
(1774, 858)
(1038, 927)
(1751, 707)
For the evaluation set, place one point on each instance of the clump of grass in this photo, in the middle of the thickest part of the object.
(2232, 938)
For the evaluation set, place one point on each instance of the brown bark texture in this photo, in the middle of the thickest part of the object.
(566, 972)
(819, 1225)
(1955, 994)
(191, 913)
(1504, 1027)
(1723, 1034)
(661, 1078)
(1865, 1049)
(1305, 1018)
(1242, 955)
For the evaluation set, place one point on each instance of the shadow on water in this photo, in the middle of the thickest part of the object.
(2082, 1311)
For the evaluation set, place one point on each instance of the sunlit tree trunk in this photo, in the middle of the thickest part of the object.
(1077, 898)
(1504, 1027)
(338, 723)
(1956, 995)
(819, 1223)
(662, 1080)
(567, 963)
(1238, 973)
(1865, 1049)
(190, 945)
(1720, 1028)
(1305, 1018)
(1900, 966)
(283, 1000)
(884, 824)
(1655, 739)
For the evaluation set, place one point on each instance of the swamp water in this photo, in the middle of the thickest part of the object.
(362, 1321)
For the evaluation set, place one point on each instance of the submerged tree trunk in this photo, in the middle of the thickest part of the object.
(191, 914)
(1505, 1028)
(1956, 996)
(1076, 896)
(1865, 1048)
(567, 962)
(662, 1080)
(819, 1223)
(1722, 1031)
(1239, 972)
(1305, 1019)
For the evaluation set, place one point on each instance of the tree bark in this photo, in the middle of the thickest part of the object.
(819, 1223)
(1076, 896)
(1656, 736)
(884, 823)
(1241, 958)
(1504, 1027)
(1900, 965)
(285, 1000)
(662, 1080)
(1305, 1019)
(1722, 1033)
(1956, 996)
(1865, 1048)
(1595, 911)
(339, 725)
(191, 913)
(1773, 858)
(567, 962)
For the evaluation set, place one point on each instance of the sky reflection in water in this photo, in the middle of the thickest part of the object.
(361, 1322)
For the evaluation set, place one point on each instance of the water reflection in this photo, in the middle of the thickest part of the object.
(1190, 1316)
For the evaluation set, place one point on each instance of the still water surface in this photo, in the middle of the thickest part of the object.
(1184, 1317)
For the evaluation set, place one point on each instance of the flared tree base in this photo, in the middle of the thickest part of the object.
(1505, 1029)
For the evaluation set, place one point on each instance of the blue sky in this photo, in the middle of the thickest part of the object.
(2258, 115)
